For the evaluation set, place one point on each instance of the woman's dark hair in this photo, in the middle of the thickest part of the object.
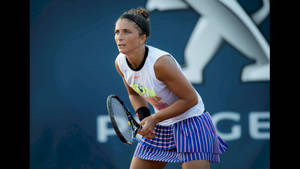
(140, 16)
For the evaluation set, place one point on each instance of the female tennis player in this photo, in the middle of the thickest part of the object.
(180, 130)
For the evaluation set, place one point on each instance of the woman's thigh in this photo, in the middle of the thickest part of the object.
(196, 164)
(137, 163)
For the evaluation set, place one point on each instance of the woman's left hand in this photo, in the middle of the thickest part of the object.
(148, 125)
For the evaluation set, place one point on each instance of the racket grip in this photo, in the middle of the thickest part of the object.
(142, 112)
(135, 132)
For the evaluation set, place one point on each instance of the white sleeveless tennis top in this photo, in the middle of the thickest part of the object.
(154, 91)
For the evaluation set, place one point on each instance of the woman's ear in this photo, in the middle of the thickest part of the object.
(143, 39)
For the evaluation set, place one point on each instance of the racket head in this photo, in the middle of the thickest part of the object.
(118, 114)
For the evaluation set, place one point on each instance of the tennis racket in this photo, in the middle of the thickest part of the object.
(123, 122)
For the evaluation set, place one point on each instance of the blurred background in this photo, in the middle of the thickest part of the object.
(72, 51)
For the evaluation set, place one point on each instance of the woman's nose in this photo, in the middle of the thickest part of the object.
(119, 36)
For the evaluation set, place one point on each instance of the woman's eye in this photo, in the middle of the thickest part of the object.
(126, 31)
(123, 31)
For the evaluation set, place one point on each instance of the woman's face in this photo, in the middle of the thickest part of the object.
(127, 36)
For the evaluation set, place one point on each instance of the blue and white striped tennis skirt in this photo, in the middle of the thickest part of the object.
(194, 138)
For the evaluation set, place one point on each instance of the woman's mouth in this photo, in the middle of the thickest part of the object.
(121, 45)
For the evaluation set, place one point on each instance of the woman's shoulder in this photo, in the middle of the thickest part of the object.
(119, 57)
(157, 51)
(120, 61)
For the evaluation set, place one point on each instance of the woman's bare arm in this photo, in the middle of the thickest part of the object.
(166, 70)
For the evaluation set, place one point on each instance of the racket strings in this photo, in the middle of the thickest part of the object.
(122, 120)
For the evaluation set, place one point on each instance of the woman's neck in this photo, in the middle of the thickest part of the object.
(136, 57)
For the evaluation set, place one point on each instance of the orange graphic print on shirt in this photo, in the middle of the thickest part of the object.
(155, 102)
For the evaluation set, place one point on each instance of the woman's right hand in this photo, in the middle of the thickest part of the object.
(148, 125)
